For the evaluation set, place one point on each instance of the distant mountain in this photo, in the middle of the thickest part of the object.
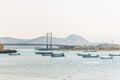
(10, 40)
(70, 40)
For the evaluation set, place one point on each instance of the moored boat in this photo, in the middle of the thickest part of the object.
(57, 55)
(108, 57)
(114, 54)
(90, 56)
(14, 54)
(83, 54)
(43, 52)
(46, 54)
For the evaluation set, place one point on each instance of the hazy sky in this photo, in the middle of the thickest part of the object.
(95, 20)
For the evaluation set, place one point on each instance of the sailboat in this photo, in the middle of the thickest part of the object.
(45, 51)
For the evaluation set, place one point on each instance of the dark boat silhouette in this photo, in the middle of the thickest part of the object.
(46, 54)
(14, 54)
(58, 55)
(43, 52)
(90, 56)
(109, 57)
(114, 54)
(83, 54)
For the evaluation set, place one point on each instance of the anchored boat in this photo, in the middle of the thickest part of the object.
(46, 54)
(107, 57)
(114, 54)
(83, 54)
(43, 52)
(57, 55)
(14, 54)
(90, 56)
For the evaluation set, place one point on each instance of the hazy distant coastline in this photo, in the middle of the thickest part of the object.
(72, 42)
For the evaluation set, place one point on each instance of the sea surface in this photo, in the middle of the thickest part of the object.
(31, 66)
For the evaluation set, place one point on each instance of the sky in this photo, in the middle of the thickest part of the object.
(95, 20)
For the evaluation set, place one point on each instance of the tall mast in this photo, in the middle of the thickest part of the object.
(51, 41)
(47, 41)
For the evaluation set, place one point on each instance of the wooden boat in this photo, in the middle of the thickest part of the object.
(83, 54)
(58, 55)
(109, 57)
(114, 54)
(90, 56)
(14, 54)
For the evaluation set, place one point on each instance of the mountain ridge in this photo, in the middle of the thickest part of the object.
(72, 39)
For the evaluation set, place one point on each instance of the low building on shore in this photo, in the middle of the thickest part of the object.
(3, 50)
(1, 47)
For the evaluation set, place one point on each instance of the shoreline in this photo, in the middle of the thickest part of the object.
(89, 50)
(17, 77)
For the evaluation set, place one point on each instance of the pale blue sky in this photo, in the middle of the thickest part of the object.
(95, 20)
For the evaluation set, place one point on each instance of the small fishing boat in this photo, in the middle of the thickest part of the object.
(57, 55)
(90, 56)
(14, 54)
(83, 54)
(114, 54)
(107, 57)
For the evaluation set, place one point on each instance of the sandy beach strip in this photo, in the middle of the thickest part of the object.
(90, 51)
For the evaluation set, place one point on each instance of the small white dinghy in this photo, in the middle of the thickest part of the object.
(107, 57)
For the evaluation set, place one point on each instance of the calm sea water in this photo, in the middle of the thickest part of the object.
(30, 66)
